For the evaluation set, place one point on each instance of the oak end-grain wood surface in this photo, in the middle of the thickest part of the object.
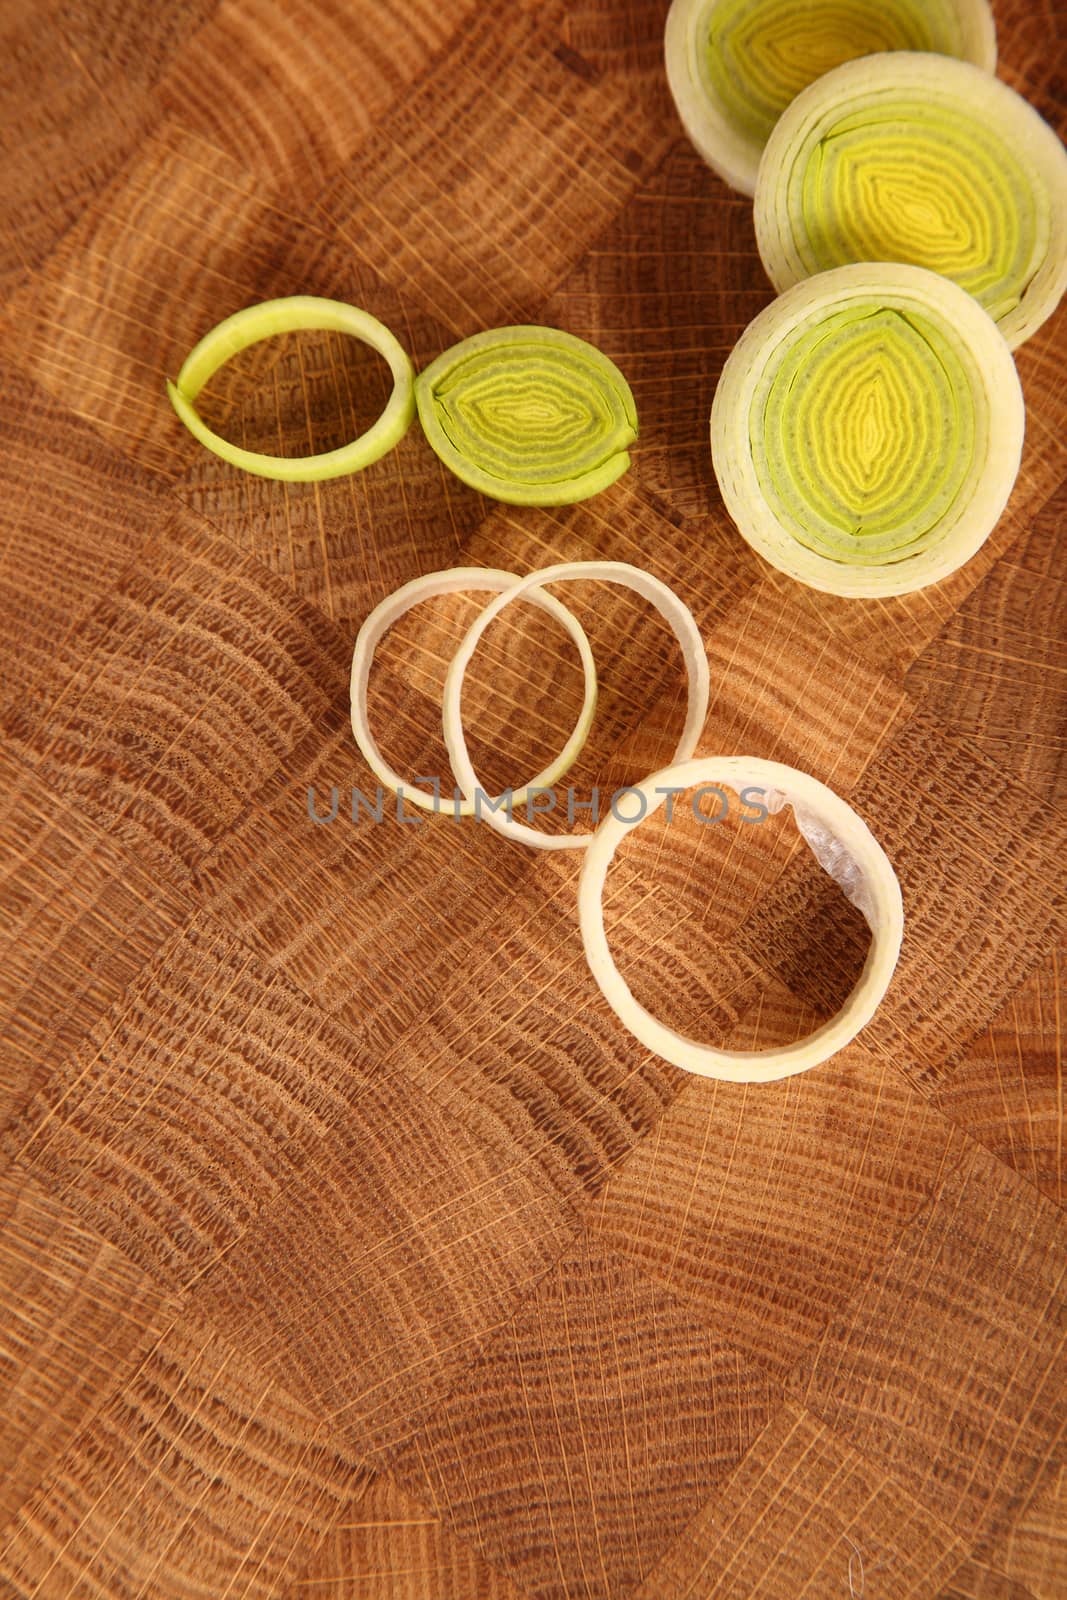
(348, 1247)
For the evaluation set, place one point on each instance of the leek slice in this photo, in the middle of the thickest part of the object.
(867, 430)
(912, 158)
(735, 65)
(844, 847)
(674, 612)
(528, 415)
(452, 581)
(293, 314)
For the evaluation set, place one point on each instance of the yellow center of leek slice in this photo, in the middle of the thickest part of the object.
(903, 158)
(759, 54)
(529, 415)
(867, 429)
(735, 65)
(863, 431)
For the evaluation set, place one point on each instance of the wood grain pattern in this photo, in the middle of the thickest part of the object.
(386, 1546)
(948, 1365)
(349, 1248)
(296, 89)
(76, 90)
(137, 715)
(53, 469)
(1007, 1087)
(200, 1475)
(82, 917)
(1032, 1545)
(975, 1581)
(995, 673)
(80, 1317)
(372, 1288)
(170, 1141)
(805, 1513)
(844, 1158)
(512, 172)
(615, 1414)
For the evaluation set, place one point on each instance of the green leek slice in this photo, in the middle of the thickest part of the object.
(735, 65)
(867, 430)
(528, 415)
(905, 157)
(290, 315)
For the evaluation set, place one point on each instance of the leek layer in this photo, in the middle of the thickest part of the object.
(735, 65)
(528, 415)
(867, 429)
(296, 313)
(843, 845)
(902, 157)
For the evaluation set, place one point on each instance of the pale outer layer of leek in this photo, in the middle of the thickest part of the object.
(734, 65)
(297, 313)
(883, 433)
(453, 581)
(844, 847)
(920, 159)
(528, 415)
(674, 612)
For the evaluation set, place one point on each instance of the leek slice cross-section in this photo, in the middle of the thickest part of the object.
(867, 430)
(907, 157)
(528, 415)
(735, 65)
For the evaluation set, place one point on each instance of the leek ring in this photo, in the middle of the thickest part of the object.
(451, 581)
(925, 160)
(735, 65)
(674, 612)
(867, 430)
(529, 415)
(843, 845)
(294, 314)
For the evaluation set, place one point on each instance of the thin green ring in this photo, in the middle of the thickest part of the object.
(294, 314)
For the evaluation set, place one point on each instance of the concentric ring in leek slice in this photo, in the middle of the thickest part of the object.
(867, 430)
(735, 65)
(923, 160)
(529, 415)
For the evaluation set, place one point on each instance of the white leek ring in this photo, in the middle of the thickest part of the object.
(528, 415)
(735, 65)
(867, 430)
(452, 581)
(295, 314)
(925, 160)
(674, 612)
(844, 846)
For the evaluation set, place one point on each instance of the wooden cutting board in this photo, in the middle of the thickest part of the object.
(349, 1247)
